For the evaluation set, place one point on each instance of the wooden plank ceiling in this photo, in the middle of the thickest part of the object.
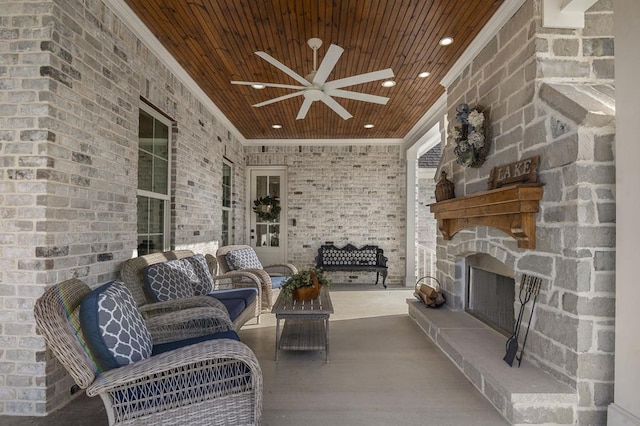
(215, 41)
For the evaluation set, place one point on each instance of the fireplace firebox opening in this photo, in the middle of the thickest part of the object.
(490, 293)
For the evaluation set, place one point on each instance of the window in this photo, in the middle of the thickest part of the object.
(227, 213)
(154, 141)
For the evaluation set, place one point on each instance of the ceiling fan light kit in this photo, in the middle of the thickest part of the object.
(315, 87)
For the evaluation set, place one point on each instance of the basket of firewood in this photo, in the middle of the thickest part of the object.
(429, 291)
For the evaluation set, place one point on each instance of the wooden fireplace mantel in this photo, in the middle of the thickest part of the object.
(512, 209)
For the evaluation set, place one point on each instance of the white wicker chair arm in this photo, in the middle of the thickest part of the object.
(161, 308)
(186, 323)
(281, 268)
(205, 355)
(266, 293)
(261, 273)
(240, 279)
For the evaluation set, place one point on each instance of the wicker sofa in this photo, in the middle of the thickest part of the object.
(132, 275)
(209, 379)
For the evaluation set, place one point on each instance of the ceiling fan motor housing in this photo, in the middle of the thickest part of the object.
(314, 43)
(313, 93)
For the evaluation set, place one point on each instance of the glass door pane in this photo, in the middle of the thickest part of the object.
(267, 228)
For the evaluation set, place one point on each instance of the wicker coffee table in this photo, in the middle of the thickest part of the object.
(307, 323)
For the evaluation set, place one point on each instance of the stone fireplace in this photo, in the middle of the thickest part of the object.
(547, 93)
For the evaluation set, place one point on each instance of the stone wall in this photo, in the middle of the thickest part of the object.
(549, 92)
(344, 194)
(72, 77)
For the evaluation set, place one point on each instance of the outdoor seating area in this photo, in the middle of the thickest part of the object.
(352, 388)
(161, 346)
(108, 348)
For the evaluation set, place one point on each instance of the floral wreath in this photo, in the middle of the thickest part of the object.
(470, 136)
(267, 208)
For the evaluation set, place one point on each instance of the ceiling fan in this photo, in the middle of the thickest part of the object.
(315, 87)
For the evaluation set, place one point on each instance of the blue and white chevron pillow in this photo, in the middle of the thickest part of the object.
(245, 258)
(114, 329)
(170, 280)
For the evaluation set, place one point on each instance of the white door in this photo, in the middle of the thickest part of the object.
(267, 230)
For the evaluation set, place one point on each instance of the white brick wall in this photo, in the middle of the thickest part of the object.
(68, 162)
(344, 194)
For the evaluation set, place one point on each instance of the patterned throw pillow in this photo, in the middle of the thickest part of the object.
(205, 280)
(243, 259)
(114, 329)
(170, 280)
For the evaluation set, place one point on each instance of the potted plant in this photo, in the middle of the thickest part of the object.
(305, 284)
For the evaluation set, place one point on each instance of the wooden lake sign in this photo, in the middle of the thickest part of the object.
(523, 171)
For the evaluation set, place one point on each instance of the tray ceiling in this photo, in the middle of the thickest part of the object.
(215, 41)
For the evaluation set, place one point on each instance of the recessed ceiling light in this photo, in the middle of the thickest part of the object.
(424, 74)
(277, 126)
(258, 86)
(446, 41)
(368, 126)
(388, 83)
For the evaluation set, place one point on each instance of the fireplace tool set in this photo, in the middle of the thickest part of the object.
(529, 288)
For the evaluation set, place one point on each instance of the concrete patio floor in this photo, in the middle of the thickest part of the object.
(383, 370)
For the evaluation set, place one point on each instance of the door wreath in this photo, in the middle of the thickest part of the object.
(267, 208)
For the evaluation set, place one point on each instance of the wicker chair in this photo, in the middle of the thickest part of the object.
(215, 382)
(132, 276)
(264, 274)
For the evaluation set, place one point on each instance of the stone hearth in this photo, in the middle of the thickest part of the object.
(523, 395)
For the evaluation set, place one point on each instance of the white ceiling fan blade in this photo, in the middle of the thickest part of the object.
(328, 63)
(285, 69)
(304, 109)
(278, 99)
(281, 86)
(331, 103)
(359, 79)
(364, 97)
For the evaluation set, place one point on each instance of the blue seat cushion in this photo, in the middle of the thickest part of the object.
(234, 307)
(278, 280)
(235, 300)
(166, 347)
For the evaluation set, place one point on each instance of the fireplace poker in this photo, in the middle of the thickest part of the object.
(530, 287)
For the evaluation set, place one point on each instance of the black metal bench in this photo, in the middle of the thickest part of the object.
(351, 258)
